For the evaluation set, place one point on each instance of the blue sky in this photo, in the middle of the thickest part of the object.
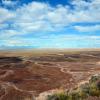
(50, 23)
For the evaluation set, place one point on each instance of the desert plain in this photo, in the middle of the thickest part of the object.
(28, 74)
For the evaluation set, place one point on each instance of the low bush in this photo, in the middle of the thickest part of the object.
(59, 96)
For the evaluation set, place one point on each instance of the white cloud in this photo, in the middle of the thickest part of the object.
(40, 17)
(88, 12)
(5, 15)
(88, 28)
(19, 42)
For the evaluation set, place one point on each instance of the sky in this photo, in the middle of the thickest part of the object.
(49, 24)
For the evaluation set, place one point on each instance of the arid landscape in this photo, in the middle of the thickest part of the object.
(32, 74)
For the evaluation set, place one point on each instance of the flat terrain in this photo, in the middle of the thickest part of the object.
(29, 73)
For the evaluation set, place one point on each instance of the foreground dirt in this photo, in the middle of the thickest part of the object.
(25, 77)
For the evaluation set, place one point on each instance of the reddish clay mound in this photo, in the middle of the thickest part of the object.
(29, 80)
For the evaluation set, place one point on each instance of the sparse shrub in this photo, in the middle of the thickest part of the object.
(94, 86)
(52, 97)
(74, 96)
(83, 95)
(62, 96)
(85, 88)
(94, 91)
(59, 96)
(98, 84)
(94, 78)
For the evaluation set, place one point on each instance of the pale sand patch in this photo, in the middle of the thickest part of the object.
(98, 63)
